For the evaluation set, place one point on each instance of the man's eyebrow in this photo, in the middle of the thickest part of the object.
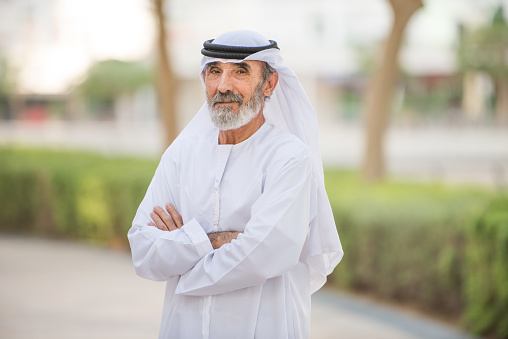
(244, 65)
(212, 64)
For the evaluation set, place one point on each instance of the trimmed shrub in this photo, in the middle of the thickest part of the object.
(441, 249)
(486, 271)
(66, 194)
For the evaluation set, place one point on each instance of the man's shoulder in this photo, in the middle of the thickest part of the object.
(184, 144)
(285, 144)
(197, 137)
(280, 138)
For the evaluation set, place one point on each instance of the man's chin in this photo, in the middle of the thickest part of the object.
(223, 109)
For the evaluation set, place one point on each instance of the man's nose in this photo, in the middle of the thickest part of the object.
(225, 83)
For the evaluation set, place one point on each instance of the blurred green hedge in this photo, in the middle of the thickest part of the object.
(440, 248)
(66, 194)
(486, 271)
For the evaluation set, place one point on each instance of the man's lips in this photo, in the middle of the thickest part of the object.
(227, 102)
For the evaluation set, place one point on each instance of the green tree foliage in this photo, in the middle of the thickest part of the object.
(108, 79)
(7, 86)
(486, 48)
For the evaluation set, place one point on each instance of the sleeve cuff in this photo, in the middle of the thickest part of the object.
(197, 235)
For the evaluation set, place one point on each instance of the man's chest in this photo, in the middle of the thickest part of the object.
(219, 189)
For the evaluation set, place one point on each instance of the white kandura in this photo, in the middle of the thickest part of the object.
(271, 188)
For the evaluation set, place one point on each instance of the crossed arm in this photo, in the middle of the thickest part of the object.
(164, 247)
(173, 221)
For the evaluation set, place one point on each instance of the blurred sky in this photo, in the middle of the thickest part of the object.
(51, 43)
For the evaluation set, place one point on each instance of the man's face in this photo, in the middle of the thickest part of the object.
(240, 79)
(234, 92)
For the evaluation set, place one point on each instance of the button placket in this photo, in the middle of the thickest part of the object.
(223, 153)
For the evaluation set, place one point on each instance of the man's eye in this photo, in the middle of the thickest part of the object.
(214, 71)
(241, 71)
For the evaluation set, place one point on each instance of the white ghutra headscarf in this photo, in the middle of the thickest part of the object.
(289, 109)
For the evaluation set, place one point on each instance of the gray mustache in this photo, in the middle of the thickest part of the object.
(227, 97)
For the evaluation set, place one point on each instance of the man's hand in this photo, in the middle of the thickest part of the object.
(173, 221)
(220, 238)
(165, 221)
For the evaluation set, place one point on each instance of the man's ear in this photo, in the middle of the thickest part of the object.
(270, 84)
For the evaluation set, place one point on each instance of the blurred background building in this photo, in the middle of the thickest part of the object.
(65, 61)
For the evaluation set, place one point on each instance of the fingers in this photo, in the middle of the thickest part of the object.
(162, 220)
(159, 223)
(177, 218)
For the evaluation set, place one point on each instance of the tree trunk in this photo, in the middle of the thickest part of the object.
(166, 81)
(380, 93)
(16, 105)
(474, 94)
(502, 101)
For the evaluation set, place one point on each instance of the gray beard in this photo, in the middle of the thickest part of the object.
(224, 118)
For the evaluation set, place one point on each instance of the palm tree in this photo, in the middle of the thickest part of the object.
(486, 50)
(380, 93)
(166, 79)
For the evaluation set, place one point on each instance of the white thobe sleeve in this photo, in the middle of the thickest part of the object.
(271, 243)
(159, 255)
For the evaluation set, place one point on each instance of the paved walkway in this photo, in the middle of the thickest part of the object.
(59, 290)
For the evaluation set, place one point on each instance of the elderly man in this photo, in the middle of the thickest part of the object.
(236, 219)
